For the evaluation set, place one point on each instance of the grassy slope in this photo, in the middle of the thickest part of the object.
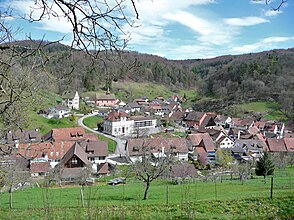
(207, 200)
(92, 122)
(270, 108)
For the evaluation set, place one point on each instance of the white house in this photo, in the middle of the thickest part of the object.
(59, 111)
(224, 142)
(71, 100)
(120, 123)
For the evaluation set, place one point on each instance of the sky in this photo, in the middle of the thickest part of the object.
(185, 29)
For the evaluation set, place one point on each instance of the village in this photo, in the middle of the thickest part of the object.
(162, 125)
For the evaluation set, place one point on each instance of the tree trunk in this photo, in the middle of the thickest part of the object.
(146, 190)
(82, 197)
(10, 198)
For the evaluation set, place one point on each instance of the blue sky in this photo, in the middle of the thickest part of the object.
(188, 29)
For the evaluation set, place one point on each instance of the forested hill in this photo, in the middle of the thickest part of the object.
(265, 75)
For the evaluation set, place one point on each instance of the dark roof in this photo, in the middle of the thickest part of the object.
(71, 173)
(194, 116)
(105, 96)
(68, 95)
(23, 136)
(79, 152)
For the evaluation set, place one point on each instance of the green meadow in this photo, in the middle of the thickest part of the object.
(194, 199)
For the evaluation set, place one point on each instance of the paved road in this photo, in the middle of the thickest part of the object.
(120, 143)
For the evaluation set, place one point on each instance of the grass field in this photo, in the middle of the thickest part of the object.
(45, 125)
(92, 121)
(111, 143)
(271, 109)
(198, 199)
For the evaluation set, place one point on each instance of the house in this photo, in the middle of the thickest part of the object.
(203, 147)
(179, 147)
(134, 107)
(39, 167)
(59, 111)
(194, 119)
(97, 152)
(222, 120)
(225, 142)
(289, 143)
(71, 100)
(242, 124)
(120, 123)
(23, 136)
(107, 100)
(65, 134)
(276, 145)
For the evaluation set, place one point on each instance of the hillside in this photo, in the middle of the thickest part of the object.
(221, 81)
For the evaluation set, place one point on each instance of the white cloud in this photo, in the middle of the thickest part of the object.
(245, 21)
(272, 13)
(265, 44)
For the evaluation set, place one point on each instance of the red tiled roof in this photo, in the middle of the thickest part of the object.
(40, 167)
(65, 134)
(289, 142)
(276, 145)
(197, 138)
(135, 146)
(99, 148)
(115, 116)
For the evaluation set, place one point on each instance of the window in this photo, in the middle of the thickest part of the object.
(101, 158)
(74, 160)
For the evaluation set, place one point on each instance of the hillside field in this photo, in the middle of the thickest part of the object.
(198, 199)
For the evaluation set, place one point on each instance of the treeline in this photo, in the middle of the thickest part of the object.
(261, 76)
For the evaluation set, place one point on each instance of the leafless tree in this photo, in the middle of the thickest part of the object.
(275, 5)
(150, 167)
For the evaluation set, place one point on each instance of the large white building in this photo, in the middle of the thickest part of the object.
(71, 101)
(121, 124)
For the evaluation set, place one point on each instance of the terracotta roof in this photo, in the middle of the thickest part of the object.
(115, 116)
(208, 144)
(140, 118)
(220, 118)
(260, 124)
(289, 142)
(38, 167)
(197, 138)
(35, 150)
(276, 145)
(91, 137)
(65, 134)
(178, 115)
(102, 168)
(289, 135)
(253, 130)
(135, 146)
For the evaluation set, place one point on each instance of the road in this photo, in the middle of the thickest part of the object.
(120, 143)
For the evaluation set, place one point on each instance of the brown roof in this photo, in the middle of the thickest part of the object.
(289, 142)
(91, 137)
(197, 138)
(65, 134)
(135, 146)
(115, 116)
(194, 116)
(276, 145)
(35, 150)
(79, 152)
(40, 167)
(208, 144)
(23, 136)
(140, 118)
(98, 148)
(102, 168)
(72, 173)
(178, 115)
(253, 130)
